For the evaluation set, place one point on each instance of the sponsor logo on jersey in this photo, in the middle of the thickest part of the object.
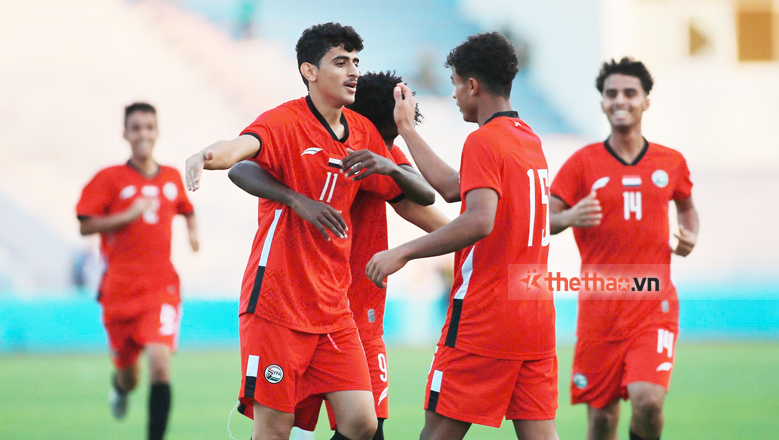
(127, 192)
(660, 178)
(665, 366)
(333, 162)
(312, 150)
(579, 381)
(631, 181)
(600, 183)
(274, 373)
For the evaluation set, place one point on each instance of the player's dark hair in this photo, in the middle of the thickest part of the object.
(626, 66)
(489, 58)
(318, 39)
(138, 107)
(374, 100)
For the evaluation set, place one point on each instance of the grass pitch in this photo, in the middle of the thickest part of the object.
(719, 391)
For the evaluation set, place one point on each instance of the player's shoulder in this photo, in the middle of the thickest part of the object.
(358, 122)
(111, 172)
(286, 114)
(167, 170)
(662, 150)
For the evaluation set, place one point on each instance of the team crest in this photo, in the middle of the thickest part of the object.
(579, 381)
(660, 178)
(274, 373)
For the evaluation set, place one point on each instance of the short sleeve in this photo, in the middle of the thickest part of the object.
(399, 157)
(268, 157)
(382, 186)
(567, 181)
(480, 167)
(183, 205)
(683, 187)
(96, 197)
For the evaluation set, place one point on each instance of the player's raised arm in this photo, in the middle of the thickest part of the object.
(363, 163)
(427, 218)
(220, 155)
(584, 214)
(687, 217)
(471, 226)
(445, 179)
(99, 224)
(258, 182)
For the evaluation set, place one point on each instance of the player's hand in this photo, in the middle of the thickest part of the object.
(586, 212)
(363, 163)
(141, 204)
(194, 243)
(384, 264)
(405, 107)
(687, 241)
(323, 216)
(194, 168)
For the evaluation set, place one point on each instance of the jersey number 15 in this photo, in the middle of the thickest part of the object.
(543, 180)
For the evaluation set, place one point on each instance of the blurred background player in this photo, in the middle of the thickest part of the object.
(616, 195)
(298, 336)
(496, 356)
(374, 100)
(132, 207)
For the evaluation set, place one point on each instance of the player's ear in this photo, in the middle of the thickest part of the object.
(309, 71)
(646, 103)
(473, 83)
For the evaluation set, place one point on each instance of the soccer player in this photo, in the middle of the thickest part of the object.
(496, 356)
(615, 194)
(132, 206)
(374, 100)
(298, 336)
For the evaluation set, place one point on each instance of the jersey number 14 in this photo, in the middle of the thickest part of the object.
(632, 204)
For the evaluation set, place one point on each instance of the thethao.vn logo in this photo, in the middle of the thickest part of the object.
(587, 281)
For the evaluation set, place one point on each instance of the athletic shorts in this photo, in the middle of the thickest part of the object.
(478, 389)
(307, 410)
(602, 370)
(281, 366)
(127, 337)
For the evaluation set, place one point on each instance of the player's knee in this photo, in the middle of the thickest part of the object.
(362, 428)
(648, 407)
(159, 373)
(604, 419)
(127, 380)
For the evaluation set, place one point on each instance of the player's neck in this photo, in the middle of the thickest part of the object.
(332, 113)
(147, 166)
(628, 143)
(489, 105)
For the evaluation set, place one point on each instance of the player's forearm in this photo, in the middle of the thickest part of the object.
(258, 182)
(460, 233)
(414, 186)
(98, 225)
(443, 178)
(427, 218)
(191, 226)
(689, 220)
(559, 221)
(225, 155)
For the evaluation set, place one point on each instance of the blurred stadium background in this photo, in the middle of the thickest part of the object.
(67, 69)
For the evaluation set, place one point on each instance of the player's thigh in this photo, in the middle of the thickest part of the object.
(598, 371)
(376, 356)
(159, 356)
(534, 397)
(470, 388)
(438, 427)
(273, 359)
(535, 429)
(337, 364)
(270, 424)
(352, 410)
(160, 324)
(650, 357)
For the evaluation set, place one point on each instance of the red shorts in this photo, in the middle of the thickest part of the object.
(307, 411)
(128, 337)
(281, 366)
(602, 370)
(478, 389)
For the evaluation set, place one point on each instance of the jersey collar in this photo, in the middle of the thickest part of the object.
(145, 176)
(510, 114)
(616, 156)
(324, 123)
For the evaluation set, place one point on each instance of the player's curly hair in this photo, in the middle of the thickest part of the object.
(375, 101)
(489, 58)
(626, 66)
(138, 107)
(318, 39)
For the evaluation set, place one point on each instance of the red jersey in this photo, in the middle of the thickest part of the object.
(632, 239)
(369, 217)
(294, 277)
(138, 268)
(506, 156)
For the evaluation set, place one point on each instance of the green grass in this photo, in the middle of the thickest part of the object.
(719, 391)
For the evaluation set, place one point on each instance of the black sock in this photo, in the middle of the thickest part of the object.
(339, 436)
(379, 431)
(634, 436)
(159, 407)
